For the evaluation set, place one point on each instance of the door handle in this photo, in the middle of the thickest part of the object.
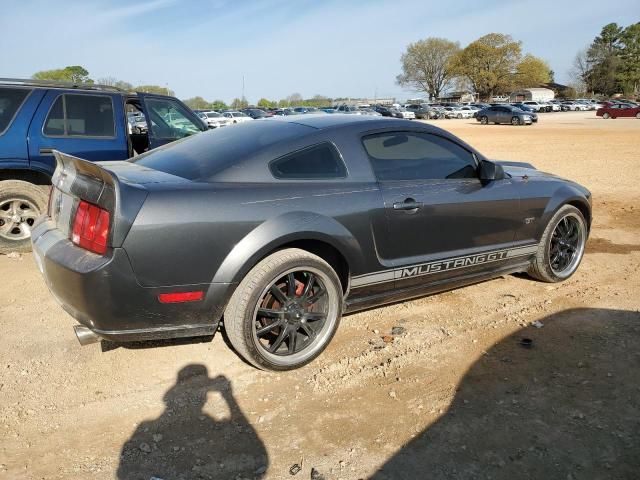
(46, 151)
(408, 204)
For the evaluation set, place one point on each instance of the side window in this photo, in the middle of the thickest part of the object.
(313, 163)
(81, 116)
(89, 115)
(417, 156)
(11, 100)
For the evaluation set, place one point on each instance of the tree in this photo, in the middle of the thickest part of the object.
(239, 103)
(427, 66)
(603, 61)
(265, 103)
(294, 99)
(197, 103)
(489, 63)
(629, 75)
(532, 71)
(73, 74)
(579, 71)
(154, 89)
(218, 105)
(114, 82)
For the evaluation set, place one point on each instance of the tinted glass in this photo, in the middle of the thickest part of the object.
(10, 101)
(317, 162)
(202, 156)
(413, 156)
(89, 115)
(54, 125)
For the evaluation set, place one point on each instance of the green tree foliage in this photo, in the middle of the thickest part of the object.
(154, 89)
(629, 73)
(266, 103)
(114, 82)
(218, 105)
(239, 103)
(197, 103)
(531, 72)
(427, 65)
(489, 64)
(73, 74)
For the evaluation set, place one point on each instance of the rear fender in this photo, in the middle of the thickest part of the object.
(284, 229)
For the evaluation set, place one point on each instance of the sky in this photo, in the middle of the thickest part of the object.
(337, 48)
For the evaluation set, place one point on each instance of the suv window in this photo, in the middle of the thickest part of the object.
(11, 100)
(169, 119)
(313, 163)
(81, 115)
(413, 156)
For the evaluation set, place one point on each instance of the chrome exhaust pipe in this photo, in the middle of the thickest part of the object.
(85, 335)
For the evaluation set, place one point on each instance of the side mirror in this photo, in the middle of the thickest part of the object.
(490, 171)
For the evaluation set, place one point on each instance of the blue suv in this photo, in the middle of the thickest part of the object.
(88, 121)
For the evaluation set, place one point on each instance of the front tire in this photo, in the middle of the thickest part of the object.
(20, 204)
(285, 311)
(561, 247)
(515, 121)
(606, 115)
(484, 120)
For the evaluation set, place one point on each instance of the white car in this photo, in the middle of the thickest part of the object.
(214, 119)
(403, 113)
(237, 117)
(573, 106)
(458, 112)
(537, 106)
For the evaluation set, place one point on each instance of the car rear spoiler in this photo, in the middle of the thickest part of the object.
(95, 184)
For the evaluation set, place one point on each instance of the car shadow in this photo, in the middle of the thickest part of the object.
(186, 442)
(566, 407)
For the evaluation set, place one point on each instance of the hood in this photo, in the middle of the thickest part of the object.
(522, 169)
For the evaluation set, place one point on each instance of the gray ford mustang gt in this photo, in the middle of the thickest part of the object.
(276, 228)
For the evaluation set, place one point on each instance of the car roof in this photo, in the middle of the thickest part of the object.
(337, 120)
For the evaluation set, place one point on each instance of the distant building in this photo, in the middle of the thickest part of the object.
(532, 94)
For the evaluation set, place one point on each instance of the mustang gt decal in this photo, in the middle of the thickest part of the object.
(443, 265)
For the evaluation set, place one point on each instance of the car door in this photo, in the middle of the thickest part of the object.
(87, 125)
(168, 119)
(437, 209)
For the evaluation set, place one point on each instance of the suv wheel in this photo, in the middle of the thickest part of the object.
(484, 120)
(561, 247)
(285, 311)
(20, 204)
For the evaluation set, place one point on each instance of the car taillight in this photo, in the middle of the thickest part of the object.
(91, 227)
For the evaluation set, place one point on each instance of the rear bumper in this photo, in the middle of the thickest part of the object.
(102, 293)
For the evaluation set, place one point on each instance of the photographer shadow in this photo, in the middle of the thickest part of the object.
(186, 442)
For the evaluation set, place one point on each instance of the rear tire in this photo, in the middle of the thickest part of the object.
(561, 247)
(276, 293)
(20, 204)
(638, 115)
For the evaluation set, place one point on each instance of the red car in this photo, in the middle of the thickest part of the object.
(615, 110)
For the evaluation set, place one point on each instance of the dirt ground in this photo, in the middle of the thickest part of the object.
(455, 395)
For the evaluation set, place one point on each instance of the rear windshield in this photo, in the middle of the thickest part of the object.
(10, 101)
(206, 154)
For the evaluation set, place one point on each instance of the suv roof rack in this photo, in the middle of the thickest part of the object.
(58, 84)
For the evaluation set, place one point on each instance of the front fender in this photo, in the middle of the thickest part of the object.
(566, 194)
(284, 229)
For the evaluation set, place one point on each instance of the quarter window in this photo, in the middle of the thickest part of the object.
(313, 163)
(81, 116)
(417, 156)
